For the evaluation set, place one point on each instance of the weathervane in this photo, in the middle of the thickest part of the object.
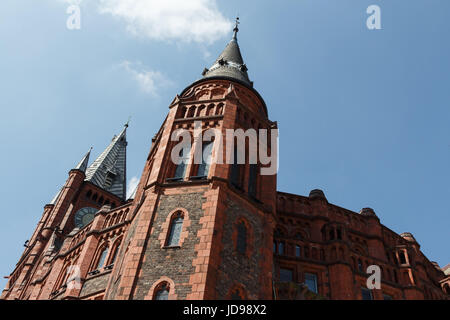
(236, 29)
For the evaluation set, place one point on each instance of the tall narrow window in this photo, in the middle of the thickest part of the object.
(101, 259)
(311, 282)
(203, 168)
(175, 230)
(236, 170)
(401, 254)
(252, 180)
(281, 248)
(241, 244)
(360, 266)
(366, 294)
(116, 251)
(298, 251)
(181, 167)
(162, 292)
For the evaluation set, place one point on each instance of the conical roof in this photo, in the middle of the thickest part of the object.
(230, 64)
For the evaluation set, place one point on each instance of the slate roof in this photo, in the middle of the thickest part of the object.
(108, 171)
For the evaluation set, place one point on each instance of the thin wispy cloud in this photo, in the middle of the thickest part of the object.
(170, 20)
(149, 81)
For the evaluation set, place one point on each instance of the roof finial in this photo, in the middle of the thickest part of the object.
(126, 124)
(236, 29)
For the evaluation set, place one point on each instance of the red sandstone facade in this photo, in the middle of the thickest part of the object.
(124, 252)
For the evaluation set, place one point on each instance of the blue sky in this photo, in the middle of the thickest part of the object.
(363, 114)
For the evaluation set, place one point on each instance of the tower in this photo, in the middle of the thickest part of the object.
(86, 190)
(202, 231)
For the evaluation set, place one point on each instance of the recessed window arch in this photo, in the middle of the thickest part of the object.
(241, 242)
(203, 168)
(162, 291)
(180, 169)
(101, 257)
(176, 226)
(253, 180)
(115, 251)
(237, 292)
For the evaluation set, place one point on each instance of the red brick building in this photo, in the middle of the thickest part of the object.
(218, 231)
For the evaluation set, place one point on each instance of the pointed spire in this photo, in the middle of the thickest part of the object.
(230, 64)
(108, 171)
(82, 165)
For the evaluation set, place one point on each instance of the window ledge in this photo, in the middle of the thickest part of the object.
(198, 178)
(171, 247)
(174, 179)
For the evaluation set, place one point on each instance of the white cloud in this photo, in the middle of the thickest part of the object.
(132, 185)
(148, 80)
(181, 20)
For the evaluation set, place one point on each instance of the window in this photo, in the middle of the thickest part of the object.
(387, 297)
(332, 234)
(286, 275)
(116, 251)
(298, 251)
(306, 251)
(181, 167)
(162, 291)
(236, 294)
(360, 266)
(274, 247)
(241, 244)
(402, 257)
(339, 234)
(203, 168)
(366, 294)
(175, 230)
(236, 170)
(311, 282)
(101, 259)
(252, 180)
(281, 248)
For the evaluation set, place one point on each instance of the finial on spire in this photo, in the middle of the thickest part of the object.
(236, 29)
(127, 123)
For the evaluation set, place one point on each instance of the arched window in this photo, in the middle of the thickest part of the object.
(114, 255)
(241, 243)
(175, 230)
(298, 251)
(236, 169)
(102, 258)
(252, 180)
(236, 295)
(181, 167)
(281, 248)
(203, 168)
(162, 291)
(360, 266)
